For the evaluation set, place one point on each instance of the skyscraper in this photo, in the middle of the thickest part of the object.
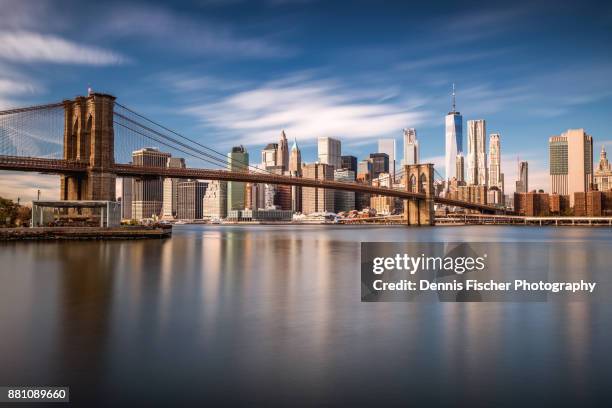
(603, 172)
(350, 163)
(147, 193)
(215, 199)
(126, 198)
(344, 200)
(460, 172)
(170, 201)
(329, 151)
(454, 140)
(295, 169)
(477, 156)
(238, 160)
(269, 155)
(522, 184)
(571, 162)
(388, 146)
(496, 178)
(380, 163)
(411, 147)
(282, 153)
(318, 199)
(190, 200)
(295, 160)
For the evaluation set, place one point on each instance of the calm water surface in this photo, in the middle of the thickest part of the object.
(268, 314)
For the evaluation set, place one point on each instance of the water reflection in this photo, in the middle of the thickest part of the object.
(273, 314)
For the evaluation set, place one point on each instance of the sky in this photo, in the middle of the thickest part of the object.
(229, 72)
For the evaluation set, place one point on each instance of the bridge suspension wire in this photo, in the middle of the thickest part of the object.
(194, 155)
(31, 108)
(222, 156)
(35, 131)
(212, 154)
(169, 139)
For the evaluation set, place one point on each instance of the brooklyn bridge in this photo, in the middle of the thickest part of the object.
(88, 141)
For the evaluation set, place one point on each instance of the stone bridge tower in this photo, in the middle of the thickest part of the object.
(419, 178)
(89, 138)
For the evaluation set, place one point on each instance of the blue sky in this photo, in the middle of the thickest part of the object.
(232, 71)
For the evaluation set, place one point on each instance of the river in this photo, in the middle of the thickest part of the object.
(272, 314)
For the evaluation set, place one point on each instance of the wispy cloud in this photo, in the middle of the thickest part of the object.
(15, 185)
(27, 46)
(474, 25)
(172, 30)
(14, 85)
(187, 82)
(306, 109)
(445, 60)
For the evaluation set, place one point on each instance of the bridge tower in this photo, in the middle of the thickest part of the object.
(418, 178)
(89, 138)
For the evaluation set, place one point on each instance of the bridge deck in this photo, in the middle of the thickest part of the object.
(59, 166)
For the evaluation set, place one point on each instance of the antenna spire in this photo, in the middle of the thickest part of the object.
(454, 97)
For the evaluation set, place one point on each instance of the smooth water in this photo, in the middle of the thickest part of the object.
(272, 314)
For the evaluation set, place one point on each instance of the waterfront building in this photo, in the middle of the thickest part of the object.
(522, 184)
(411, 147)
(344, 200)
(382, 204)
(147, 193)
(329, 151)
(477, 156)
(238, 160)
(593, 203)
(170, 199)
(387, 146)
(126, 198)
(215, 199)
(571, 162)
(190, 202)
(270, 214)
(317, 199)
(559, 204)
(532, 204)
(349, 163)
(471, 193)
(454, 139)
(282, 154)
(603, 173)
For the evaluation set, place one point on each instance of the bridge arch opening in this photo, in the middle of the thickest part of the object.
(73, 153)
(423, 183)
(87, 138)
(413, 184)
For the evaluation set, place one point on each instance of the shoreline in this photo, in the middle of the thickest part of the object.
(83, 233)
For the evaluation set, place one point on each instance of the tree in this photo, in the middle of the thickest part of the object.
(12, 214)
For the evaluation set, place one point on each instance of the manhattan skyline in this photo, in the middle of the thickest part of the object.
(230, 72)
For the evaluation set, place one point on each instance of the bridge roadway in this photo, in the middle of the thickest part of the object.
(60, 166)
